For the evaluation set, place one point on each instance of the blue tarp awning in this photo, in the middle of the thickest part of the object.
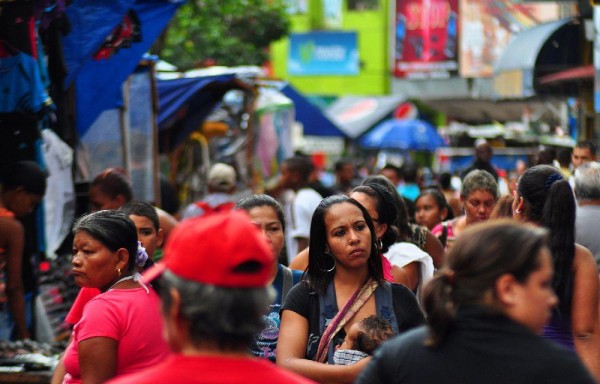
(98, 83)
(314, 121)
(183, 104)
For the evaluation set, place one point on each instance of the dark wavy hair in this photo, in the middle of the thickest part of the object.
(316, 274)
(481, 254)
(386, 210)
(551, 203)
(402, 219)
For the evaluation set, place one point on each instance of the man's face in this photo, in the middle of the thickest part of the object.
(581, 156)
(484, 152)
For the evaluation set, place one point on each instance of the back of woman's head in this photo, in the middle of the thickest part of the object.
(112, 228)
(550, 202)
(479, 180)
(113, 182)
(320, 272)
(387, 211)
(402, 219)
(26, 174)
(254, 201)
(482, 254)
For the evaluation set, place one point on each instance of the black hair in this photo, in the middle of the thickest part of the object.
(375, 330)
(480, 255)
(112, 228)
(316, 274)
(440, 201)
(141, 208)
(551, 203)
(26, 174)
(300, 164)
(386, 209)
(587, 144)
(402, 220)
(253, 201)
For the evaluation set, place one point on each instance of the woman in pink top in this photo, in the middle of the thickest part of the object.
(120, 331)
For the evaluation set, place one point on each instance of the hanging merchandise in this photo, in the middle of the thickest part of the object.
(124, 34)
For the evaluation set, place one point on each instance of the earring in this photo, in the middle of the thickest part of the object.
(378, 245)
(119, 272)
(518, 210)
(327, 253)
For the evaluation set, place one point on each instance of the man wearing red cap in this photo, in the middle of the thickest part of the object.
(214, 290)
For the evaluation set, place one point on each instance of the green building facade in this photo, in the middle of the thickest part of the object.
(369, 19)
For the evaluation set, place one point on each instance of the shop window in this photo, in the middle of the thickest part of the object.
(363, 5)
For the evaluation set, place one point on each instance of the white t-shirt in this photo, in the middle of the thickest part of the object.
(401, 254)
(299, 211)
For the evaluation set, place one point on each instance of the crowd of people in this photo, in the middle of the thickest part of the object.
(376, 281)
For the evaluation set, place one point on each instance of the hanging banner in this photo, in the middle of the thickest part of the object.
(597, 59)
(426, 36)
(486, 28)
(323, 53)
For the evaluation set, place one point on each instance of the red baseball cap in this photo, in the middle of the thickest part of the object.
(223, 249)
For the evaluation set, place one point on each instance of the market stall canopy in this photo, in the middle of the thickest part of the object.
(413, 134)
(183, 104)
(534, 53)
(354, 115)
(485, 111)
(314, 121)
(99, 80)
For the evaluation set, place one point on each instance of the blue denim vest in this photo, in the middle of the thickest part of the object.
(328, 309)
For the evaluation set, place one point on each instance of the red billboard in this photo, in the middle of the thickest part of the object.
(426, 38)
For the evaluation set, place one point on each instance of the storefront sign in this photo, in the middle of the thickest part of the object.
(426, 37)
(323, 53)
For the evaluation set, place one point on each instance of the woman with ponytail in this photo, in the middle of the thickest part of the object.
(544, 198)
(485, 308)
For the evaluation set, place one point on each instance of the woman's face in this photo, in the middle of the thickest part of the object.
(147, 234)
(535, 298)
(94, 265)
(266, 219)
(24, 202)
(99, 200)
(478, 206)
(370, 205)
(348, 236)
(428, 212)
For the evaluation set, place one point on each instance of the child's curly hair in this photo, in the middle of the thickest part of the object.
(375, 330)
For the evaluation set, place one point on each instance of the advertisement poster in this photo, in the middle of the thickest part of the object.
(487, 27)
(323, 53)
(426, 38)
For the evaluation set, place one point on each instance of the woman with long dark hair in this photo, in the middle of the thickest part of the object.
(544, 198)
(343, 284)
(485, 308)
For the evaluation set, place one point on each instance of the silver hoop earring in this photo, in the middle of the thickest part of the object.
(334, 263)
(379, 245)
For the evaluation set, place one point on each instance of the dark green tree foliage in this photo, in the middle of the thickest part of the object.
(224, 32)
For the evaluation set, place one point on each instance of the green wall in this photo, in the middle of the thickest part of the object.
(372, 28)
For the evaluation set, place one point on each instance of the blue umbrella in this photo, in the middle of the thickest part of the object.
(417, 135)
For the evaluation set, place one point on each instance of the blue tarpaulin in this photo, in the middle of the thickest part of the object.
(189, 101)
(98, 83)
(314, 121)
